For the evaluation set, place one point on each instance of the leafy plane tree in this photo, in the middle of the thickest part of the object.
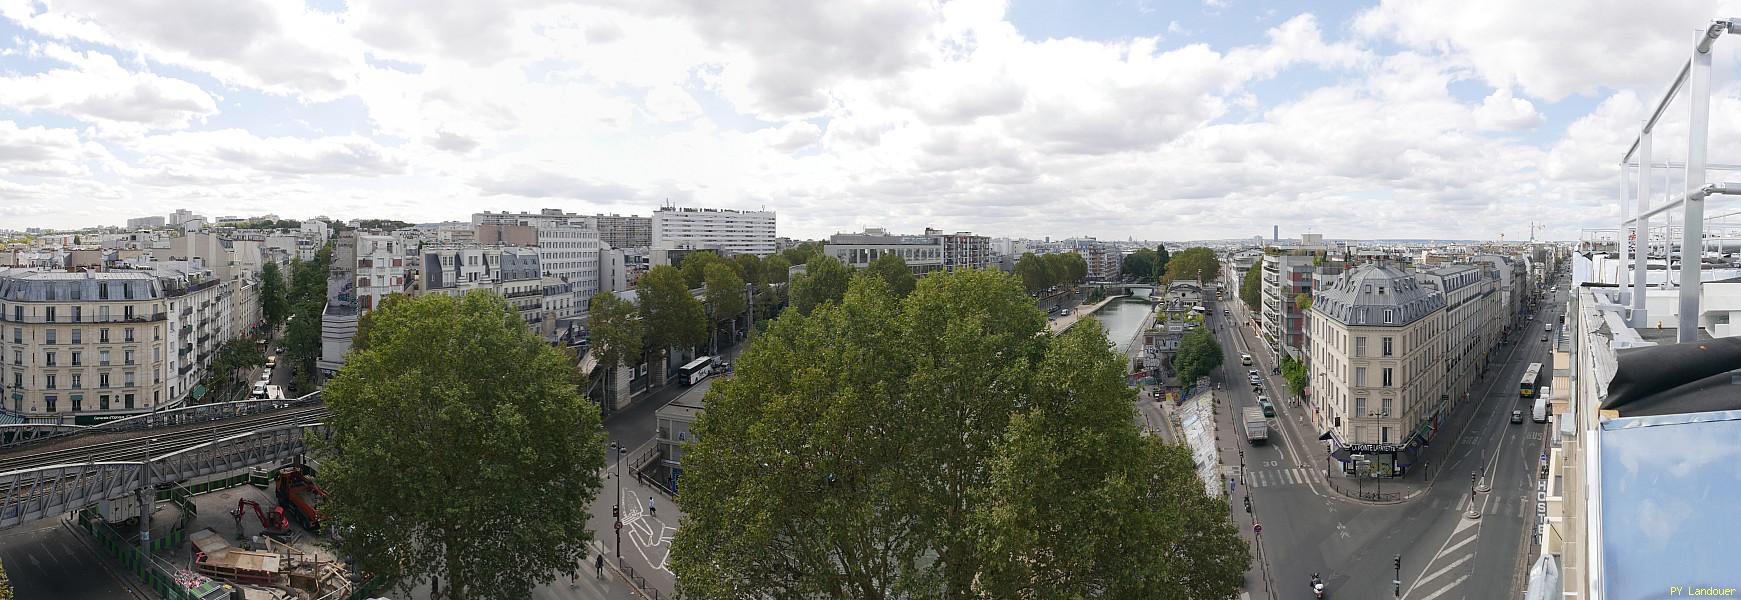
(940, 446)
(461, 450)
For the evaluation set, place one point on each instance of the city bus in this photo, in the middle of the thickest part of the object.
(1531, 377)
(696, 370)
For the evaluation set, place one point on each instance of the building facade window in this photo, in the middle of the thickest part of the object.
(1384, 405)
(1386, 375)
(1359, 407)
(1389, 347)
(1360, 347)
(78, 336)
(1359, 376)
(51, 402)
(103, 380)
(1388, 316)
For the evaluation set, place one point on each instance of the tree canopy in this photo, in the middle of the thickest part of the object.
(460, 449)
(1144, 264)
(724, 298)
(274, 297)
(673, 317)
(1161, 258)
(231, 358)
(1295, 373)
(617, 335)
(824, 280)
(894, 271)
(802, 253)
(1199, 353)
(1194, 263)
(940, 446)
(1251, 288)
(776, 269)
(1039, 272)
(694, 267)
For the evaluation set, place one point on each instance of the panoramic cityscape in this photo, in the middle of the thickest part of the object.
(869, 299)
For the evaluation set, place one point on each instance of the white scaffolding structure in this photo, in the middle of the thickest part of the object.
(1695, 78)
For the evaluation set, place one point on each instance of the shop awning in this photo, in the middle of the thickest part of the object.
(1328, 435)
(199, 391)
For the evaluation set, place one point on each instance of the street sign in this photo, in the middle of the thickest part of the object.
(1257, 527)
(1544, 457)
(619, 524)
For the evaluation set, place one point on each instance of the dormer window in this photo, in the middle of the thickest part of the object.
(1388, 316)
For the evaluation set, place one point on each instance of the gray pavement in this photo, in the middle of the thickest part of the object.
(46, 560)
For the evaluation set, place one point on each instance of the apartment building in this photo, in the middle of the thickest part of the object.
(1287, 274)
(83, 348)
(1474, 315)
(513, 273)
(1376, 368)
(365, 269)
(568, 246)
(729, 231)
(145, 223)
(929, 253)
(617, 231)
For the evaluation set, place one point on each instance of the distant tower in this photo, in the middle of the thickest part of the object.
(1275, 234)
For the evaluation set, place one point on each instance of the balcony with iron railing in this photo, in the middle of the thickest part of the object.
(82, 320)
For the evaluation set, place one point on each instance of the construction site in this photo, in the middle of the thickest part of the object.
(257, 536)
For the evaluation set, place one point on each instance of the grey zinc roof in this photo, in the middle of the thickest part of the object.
(1360, 295)
(48, 286)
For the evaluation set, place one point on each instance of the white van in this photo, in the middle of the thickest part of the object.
(1540, 415)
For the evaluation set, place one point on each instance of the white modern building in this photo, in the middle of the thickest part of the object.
(730, 231)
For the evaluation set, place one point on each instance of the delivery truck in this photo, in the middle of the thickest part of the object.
(1256, 427)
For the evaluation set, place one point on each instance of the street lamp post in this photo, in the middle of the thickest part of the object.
(617, 510)
(147, 497)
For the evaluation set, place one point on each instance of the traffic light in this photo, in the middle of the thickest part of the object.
(1397, 562)
(616, 512)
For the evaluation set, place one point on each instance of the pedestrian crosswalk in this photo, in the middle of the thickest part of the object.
(1277, 477)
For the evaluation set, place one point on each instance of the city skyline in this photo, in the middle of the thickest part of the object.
(1424, 119)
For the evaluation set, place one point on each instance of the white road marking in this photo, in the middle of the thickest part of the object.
(1447, 588)
(1454, 564)
(1454, 548)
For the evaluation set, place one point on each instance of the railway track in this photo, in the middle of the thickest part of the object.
(133, 446)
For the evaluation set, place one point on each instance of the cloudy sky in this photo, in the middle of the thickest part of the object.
(1181, 119)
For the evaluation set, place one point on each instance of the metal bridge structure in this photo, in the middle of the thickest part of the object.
(53, 482)
(12, 436)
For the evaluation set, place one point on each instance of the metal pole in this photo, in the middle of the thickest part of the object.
(1639, 270)
(1693, 221)
(618, 525)
(1620, 238)
(146, 499)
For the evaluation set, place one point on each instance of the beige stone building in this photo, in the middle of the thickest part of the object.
(1377, 365)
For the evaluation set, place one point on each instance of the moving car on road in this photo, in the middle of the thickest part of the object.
(1516, 416)
(1245, 359)
(1269, 409)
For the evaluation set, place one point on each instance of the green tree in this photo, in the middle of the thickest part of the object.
(1197, 263)
(274, 298)
(1304, 301)
(1161, 259)
(1078, 491)
(232, 357)
(673, 318)
(1075, 268)
(5, 584)
(894, 271)
(302, 342)
(1251, 288)
(1031, 269)
(617, 335)
(894, 436)
(776, 269)
(824, 280)
(694, 267)
(460, 450)
(802, 253)
(1198, 354)
(1295, 373)
(724, 299)
(1143, 264)
(748, 267)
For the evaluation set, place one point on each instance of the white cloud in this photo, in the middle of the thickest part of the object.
(893, 113)
(1553, 48)
(671, 103)
(97, 89)
(1501, 112)
(279, 47)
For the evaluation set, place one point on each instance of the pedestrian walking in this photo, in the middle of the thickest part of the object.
(574, 577)
(652, 510)
(598, 562)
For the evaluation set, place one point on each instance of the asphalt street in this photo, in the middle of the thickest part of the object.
(1308, 528)
(44, 559)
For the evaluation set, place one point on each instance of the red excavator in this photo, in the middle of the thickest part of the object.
(272, 522)
(299, 497)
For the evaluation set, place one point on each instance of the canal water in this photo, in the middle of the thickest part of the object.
(1121, 318)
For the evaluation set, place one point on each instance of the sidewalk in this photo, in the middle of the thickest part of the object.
(1227, 439)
